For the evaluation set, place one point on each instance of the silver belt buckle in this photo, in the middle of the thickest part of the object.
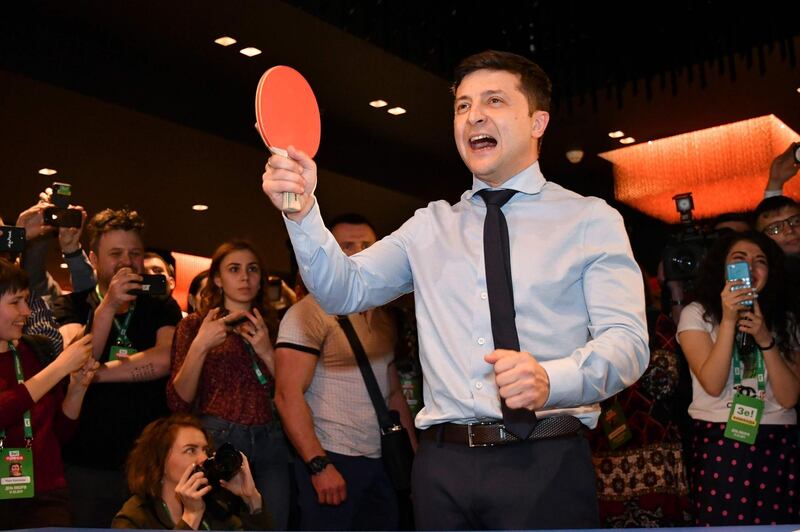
(471, 435)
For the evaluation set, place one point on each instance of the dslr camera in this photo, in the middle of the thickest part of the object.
(685, 250)
(222, 465)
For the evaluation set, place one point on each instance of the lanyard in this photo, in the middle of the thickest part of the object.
(122, 330)
(203, 523)
(26, 418)
(738, 370)
(262, 380)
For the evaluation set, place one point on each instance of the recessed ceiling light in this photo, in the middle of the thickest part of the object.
(47, 171)
(250, 51)
(798, 89)
(199, 207)
(628, 140)
(616, 134)
(225, 41)
(63, 266)
(378, 103)
(396, 111)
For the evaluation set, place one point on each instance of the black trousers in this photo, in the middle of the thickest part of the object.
(542, 484)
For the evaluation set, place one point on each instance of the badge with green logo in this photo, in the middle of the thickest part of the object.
(117, 351)
(16, 474)
(744, 418)
(615, 425)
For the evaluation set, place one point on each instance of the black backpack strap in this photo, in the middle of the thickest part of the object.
(384, 419)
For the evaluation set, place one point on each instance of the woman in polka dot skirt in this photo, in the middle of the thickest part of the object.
(737, 483)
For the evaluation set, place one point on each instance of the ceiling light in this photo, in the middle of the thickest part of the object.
(396, 111)
(199, 207)
(378, 103)
(616, 134)
(47, 171)
(250, 51)
(63, 266)
(225, 41)
(575, 155)
(798, 89)
(627, 140)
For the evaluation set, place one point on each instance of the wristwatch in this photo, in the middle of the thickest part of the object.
(317, 464)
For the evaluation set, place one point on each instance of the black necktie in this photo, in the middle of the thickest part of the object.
(497, 256)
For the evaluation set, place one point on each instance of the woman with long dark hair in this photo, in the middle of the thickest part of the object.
(742, 347)
(222, 370)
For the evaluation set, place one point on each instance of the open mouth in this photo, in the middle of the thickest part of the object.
(482, 142)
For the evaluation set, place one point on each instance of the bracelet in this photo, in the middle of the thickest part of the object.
(767, 348)
(677, 302)
(71, 254)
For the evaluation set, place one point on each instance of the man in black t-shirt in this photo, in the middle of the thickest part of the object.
(132, 339)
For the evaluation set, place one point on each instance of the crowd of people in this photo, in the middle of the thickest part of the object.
(535, 329)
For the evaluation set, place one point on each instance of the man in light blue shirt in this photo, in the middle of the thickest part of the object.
(578, 299)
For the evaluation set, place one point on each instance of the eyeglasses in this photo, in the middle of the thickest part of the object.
(779, 226)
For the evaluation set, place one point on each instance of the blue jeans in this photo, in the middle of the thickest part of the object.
(268, 453)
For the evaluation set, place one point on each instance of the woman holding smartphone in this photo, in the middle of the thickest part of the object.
(222, 370)
(744, 392)
(37, 414)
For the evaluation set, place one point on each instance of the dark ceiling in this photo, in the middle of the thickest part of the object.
(652, 69)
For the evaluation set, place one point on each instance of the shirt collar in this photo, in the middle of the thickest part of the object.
(528, 181)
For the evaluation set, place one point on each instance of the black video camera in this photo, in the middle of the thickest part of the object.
(223, 465)
(683, 254)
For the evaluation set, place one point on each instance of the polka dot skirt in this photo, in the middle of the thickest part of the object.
(739, 484)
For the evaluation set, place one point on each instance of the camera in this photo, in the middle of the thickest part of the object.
(152, 285)
(12, 238)
(223, 465)
(682, 255)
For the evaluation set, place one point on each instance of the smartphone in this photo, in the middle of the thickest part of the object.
(236, 322)
(740, 271)
(152, 285)
(12, 238)
(273, 288)
(59, 217)
(62, 193)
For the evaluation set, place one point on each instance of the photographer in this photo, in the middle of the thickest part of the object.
(132, 336)
(169, 492)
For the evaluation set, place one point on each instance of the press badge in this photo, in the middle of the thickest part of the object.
(16, 474)
(117, 351)
(744, 418)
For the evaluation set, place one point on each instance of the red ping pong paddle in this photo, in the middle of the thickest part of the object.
(287, 114)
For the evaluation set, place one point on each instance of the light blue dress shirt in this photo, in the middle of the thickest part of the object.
(578, 295)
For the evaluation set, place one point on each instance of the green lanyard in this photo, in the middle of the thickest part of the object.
(738, 370)
(26, 418)
(262, 379)
(203, 523)
(122, 330)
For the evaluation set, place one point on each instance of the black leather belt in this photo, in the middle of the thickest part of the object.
(491, 433)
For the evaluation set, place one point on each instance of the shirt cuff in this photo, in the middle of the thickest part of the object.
(772, 193)
(566, 383)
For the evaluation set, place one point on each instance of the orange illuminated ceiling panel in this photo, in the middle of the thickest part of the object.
(724, 167)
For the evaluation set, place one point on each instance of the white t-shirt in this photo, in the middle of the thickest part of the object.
(716, 409)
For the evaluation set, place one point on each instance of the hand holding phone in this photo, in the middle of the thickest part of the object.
(739, 273)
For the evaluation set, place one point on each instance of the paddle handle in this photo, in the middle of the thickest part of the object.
(291, 200)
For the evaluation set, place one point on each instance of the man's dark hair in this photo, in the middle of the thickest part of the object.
(12, 278)
(159, 256)
(773, 204)
(113, 220)
(534, 83)
(352, 219)
(732, 217)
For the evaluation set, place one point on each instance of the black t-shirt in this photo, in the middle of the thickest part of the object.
(114, 414)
